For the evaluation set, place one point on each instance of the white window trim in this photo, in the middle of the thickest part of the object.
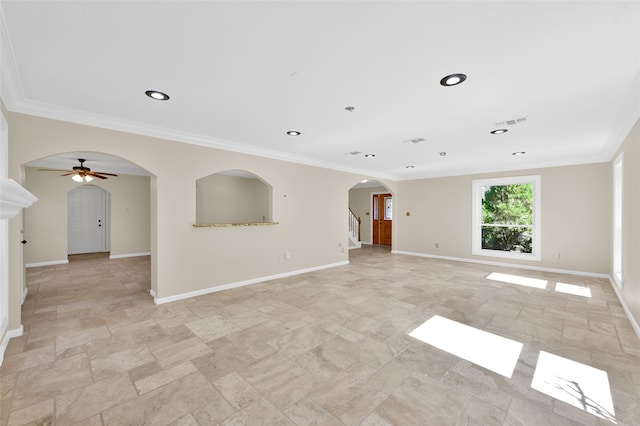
(476, 207)
(618, 220)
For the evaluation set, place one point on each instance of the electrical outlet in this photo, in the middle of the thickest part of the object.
(287, 255)
(558, 256)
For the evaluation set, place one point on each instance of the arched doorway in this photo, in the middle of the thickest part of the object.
(49, 225)
(88, 212)
(372, 203)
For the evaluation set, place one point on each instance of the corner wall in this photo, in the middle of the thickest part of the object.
(576, 217)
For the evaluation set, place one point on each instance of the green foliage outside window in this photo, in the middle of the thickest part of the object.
(507, 217)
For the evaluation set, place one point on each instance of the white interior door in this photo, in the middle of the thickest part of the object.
(87, 220)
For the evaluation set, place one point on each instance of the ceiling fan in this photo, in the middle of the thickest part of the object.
(81, 173)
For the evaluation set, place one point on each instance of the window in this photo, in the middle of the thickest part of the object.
(388, 208)
(506, 217)
(618, 170)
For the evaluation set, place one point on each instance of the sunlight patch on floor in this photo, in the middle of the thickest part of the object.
(577, 384)
(487, 350)
(519, 280)
(576, 290)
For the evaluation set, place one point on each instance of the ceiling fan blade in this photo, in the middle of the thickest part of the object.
(104, 173)
(68, 174)
(95, 175)
(56, 170)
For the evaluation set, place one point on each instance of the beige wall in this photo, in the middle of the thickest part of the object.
(631, 221)
(360, 204)
(232, 199)
(576, 217)
(45, 223)
(308, 202)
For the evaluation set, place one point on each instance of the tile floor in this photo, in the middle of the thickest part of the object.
(324, 348)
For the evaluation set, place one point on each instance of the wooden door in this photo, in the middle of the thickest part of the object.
(87, 224)
(382, 218)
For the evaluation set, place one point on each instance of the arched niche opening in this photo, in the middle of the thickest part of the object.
(233, 197)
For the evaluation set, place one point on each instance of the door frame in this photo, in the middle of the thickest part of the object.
(371, 221)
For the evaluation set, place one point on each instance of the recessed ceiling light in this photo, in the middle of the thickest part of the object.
(364, 181)
(409, 167)
(453, 79)
(518, 153)
(158, 96)
(369, 155)
(293, 133)
(499, 131)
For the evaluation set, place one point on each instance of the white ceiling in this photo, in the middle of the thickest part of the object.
(241, 74)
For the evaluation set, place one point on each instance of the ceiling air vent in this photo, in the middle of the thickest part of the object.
(512, 122)
(414, 140)
(354, 152)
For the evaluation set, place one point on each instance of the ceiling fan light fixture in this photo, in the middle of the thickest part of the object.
(158, 96)
(88, 178)
(453, 79)
(77, 178)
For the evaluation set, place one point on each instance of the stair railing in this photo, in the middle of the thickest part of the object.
(354, 224)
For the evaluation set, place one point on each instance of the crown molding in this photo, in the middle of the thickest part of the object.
(95, 120)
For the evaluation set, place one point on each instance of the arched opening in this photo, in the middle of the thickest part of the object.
(129, 223)
(52, 223)
(233, 196)
(371, 204)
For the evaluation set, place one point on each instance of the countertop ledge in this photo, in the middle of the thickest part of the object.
(232, 225)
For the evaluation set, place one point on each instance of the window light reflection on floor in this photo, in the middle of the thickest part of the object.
(576, 290)
(577, 384)
(487, 350)
(519, 280)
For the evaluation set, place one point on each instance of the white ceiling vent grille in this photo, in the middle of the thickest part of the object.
(512, 122)
(354, 152)
(415, 140)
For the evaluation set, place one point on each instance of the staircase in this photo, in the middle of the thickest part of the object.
(354, 231)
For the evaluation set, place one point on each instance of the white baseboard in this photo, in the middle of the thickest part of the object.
(161, 300)
(122, 256)
(25, 291)
(152, 292)
(53, 262)
(5, 340)
(504, 264)
(632, 320)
